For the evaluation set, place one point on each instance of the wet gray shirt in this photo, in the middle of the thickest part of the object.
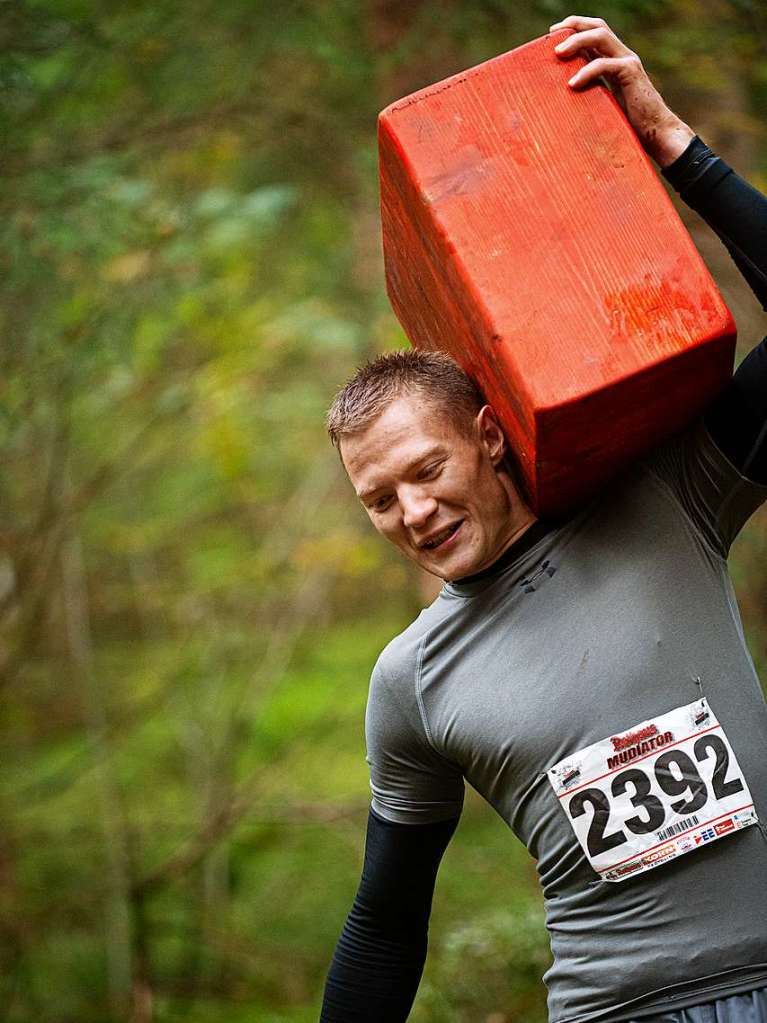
(623, 614)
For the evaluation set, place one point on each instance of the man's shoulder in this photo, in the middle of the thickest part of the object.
(398, 661)
(411, 778)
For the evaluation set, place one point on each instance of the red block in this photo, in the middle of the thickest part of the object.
(526, 233)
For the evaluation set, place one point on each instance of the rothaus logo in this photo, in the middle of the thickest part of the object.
(636, 744)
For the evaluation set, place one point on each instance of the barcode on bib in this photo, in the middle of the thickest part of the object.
(674, 829)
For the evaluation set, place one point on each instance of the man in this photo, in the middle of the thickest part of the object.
(550, 640)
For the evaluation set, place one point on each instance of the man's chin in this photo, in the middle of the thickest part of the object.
(449, 569)
(449, 560)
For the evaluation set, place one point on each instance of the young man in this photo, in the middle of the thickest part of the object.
(552, 640)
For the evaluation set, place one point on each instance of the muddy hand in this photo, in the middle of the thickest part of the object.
(663, 135)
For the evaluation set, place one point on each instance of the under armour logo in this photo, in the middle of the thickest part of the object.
(545, 568)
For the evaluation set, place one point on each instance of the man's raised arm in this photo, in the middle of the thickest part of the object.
(737, 420)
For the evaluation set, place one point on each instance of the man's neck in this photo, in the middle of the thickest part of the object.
(519, 543)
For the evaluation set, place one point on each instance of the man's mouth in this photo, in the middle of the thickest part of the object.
(438, 539)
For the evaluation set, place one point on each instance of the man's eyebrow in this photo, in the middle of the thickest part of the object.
(437, 449)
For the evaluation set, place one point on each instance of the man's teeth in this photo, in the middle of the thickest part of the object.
(441, 537)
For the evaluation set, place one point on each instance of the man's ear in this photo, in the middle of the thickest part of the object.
(490, 434)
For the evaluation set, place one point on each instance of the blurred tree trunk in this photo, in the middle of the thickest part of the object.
(117, 927)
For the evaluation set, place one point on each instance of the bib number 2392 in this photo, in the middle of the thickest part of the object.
(659, 790)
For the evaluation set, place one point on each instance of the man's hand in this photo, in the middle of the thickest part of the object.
(663, 135)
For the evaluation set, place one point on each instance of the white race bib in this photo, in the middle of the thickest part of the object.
(659, 790)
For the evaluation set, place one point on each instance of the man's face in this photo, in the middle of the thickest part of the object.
(435, 492)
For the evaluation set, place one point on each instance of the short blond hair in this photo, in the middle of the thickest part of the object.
(434, 375)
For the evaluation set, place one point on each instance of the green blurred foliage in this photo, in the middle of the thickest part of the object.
(190, 602)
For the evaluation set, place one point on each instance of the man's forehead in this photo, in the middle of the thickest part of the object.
(406, 433)
(415, 410)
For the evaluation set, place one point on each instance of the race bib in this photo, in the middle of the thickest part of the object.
(661, 789)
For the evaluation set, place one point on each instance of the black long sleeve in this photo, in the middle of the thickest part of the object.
(380, 955)
(729, 205)
(737, 420)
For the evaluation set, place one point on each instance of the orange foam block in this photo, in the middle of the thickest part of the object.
(526, 233)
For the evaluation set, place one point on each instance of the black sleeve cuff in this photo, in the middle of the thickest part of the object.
(696, 172)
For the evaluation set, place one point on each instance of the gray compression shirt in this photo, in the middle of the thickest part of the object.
(620, 616)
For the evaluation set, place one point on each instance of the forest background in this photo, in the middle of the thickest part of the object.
(190, 599)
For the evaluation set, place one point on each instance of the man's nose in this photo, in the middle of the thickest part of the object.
(417, 508)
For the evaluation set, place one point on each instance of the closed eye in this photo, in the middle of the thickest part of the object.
(429, 472)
